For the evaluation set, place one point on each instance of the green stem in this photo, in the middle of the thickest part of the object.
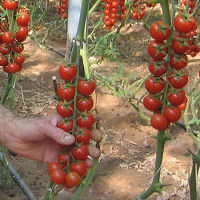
(49, 195)
(165, 9)
(193, 179)
(156, 185)
(82, 20)
(9, 85)
(87, 181)
(94, 7)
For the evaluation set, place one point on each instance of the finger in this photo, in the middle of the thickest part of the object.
(60, 136)
(89, 163)
(96, 135)
(94, 152)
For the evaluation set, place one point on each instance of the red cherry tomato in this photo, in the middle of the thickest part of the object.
(67, 73)
(10, 4)
(172, 114)
(18, 47)
(155, 50)
(12, 68)
(83, 136)
(21, 34)
(19, 59)
(23, 19)
(63, 159)
(159, 31)
(178, 46)
(72, 179)
(154, 86)
(159, 122)
(80, 168)
(184, 25)
(176, 98)
(65, 111)
(58, 176)
(85, 88)
(67, 126)
(179, 62)
(86, 121)
(151, 103)
(80, 153)
(66, 92)
(84, 104)
(3, 60)
(157, 69)
(177, 82)
(53, 166)
(7, 37)
(5, 49)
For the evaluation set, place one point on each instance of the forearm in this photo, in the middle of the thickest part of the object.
(7, 124)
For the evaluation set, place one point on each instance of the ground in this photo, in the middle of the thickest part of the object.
(128, 148)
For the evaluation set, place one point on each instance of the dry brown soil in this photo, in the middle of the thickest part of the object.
(128, 149)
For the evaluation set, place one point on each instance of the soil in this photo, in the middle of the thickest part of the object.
(128, 149)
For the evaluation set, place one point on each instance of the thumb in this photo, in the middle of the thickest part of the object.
(57, 134)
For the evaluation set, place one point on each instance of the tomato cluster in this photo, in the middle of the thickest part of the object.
(74, 108)
(164, 73)
(11, 44)
(138, 11)
(113, 9)
(62, 9)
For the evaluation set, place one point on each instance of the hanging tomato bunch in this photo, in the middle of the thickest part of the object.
(14, 31)
(74, 108)
(138, 11)
(62, 9)
(166, 96)
(113, 9)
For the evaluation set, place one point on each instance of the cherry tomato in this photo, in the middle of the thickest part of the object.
(154, 86)
(58, 176)
(83, 136)
(179, 62)
(159, 31)
(5, 49)
(176, 98)
(159, 122)
(179, 81)
(66, 93)
(18, 47)
(72, 179)
(86, 121)
(19, 59)
(7, 37)
(23, 10)
(178, 45)
(63, 159)
(84, 103)
(67, 126)
(172, 114)
(21, 34)
(85, 88)
(80, 153)
(3, 60)
(183, 105)
(155, 50)
(151, 103)
(157, 69)
(80, 168)
(67, 73)
(12, 68)
(65, 111)
(184, 25)
(53, 166)
(10, 4)
(23, 19)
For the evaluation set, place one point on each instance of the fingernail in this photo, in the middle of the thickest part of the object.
(68, 139)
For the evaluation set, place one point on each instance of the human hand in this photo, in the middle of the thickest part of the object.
(39, 138)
